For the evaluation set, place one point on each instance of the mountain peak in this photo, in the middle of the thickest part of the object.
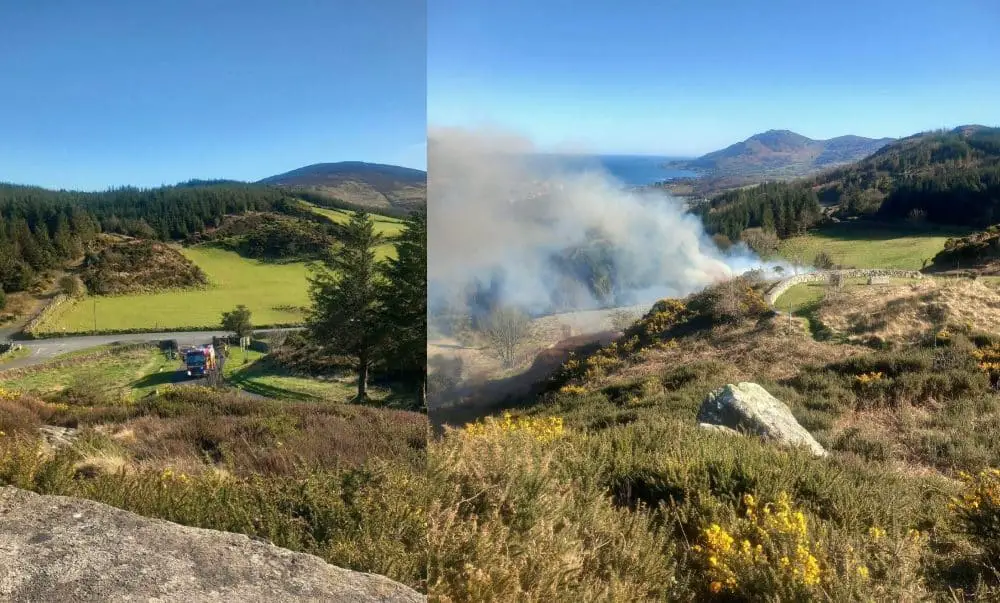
(784, 153)
(376, 185)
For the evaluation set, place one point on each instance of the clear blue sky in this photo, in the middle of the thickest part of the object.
(687, 77)
(141, 92)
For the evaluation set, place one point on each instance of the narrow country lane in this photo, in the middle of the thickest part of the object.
(44, 350)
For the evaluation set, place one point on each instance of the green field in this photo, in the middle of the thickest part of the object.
(805, 295)
(137, 372)
(273, 292)
(868, 247)
(384, 225)
(266, 379)
(134, 373)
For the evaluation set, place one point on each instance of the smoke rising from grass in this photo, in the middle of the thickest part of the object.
(546, 237)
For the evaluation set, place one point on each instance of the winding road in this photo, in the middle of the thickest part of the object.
(44, 350)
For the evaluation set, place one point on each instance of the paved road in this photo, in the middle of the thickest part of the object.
(44, 350)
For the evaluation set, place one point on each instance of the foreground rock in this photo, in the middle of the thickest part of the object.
(749, 408)
(55, 548)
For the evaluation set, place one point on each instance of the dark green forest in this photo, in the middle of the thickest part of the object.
(946, 177)
(41, 229)
(787, 209)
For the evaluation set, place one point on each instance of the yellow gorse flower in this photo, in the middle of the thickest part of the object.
(866, 378)
(544, 429)
(9, 394)
(777, 539)
(981, 493)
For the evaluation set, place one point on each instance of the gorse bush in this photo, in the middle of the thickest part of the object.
(542, 429)
(774, 551)
(510, 522)
(370, 519)
(341, 482)
(666, 512)
(978, 510)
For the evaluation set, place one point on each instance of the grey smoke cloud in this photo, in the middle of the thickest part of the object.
(492, 205)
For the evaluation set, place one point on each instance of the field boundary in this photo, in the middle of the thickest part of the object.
(198, 329)
(43, 314)
(784, 285)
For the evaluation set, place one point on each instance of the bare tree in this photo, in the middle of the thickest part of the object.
(506, 329)
(823, 261)
(763, 242)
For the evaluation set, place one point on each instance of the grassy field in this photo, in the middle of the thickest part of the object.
(868, 247)
(259, 376)
(138, 372)
(810, 293)
(275, 293)
(384, 225)
(133, 373)
(14, 355)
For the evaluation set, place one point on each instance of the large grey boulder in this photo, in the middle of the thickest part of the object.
(56, 548)
(749, 408)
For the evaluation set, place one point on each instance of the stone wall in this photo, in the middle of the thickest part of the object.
(46, 311)
(818, 276)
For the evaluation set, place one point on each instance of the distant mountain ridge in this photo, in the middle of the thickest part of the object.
(783, 154)
(372, 185)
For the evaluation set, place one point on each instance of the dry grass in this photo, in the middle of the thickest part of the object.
(18, 305)
(910, 312)
(772, 349)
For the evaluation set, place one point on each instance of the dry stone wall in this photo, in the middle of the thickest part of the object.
(818, 276)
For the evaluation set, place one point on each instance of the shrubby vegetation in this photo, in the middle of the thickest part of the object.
(135, 265)
(970, 251)
(272, 236)
(611, 453)
(344, 483)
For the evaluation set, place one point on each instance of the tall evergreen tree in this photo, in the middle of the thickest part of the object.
(347, 315)
(405, 302)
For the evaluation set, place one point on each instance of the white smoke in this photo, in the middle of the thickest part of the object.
(492, 207)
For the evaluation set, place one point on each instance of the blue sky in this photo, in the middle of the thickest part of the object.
(684, 78)
(117, 92)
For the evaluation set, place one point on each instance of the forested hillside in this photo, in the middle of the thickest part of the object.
(946, 177)
(41, 229)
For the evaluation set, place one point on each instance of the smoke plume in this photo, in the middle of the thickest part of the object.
(544, 237)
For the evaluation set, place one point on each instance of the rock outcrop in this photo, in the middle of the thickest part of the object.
(749, 408)
(55, 548)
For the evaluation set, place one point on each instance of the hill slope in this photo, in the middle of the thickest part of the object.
(945, 176)
(782, 153)
(358, 183)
